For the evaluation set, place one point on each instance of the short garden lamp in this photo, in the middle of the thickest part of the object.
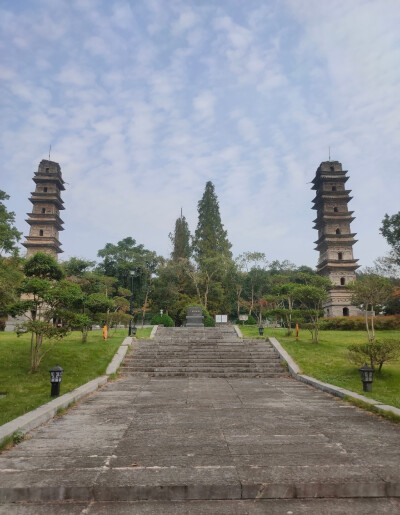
(55, 379)
(261, 330)
(367, 375)
(134, 329)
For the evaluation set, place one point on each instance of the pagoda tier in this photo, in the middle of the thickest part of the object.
(42, 244)
(338, 196)
(45, 222)
(335, 238)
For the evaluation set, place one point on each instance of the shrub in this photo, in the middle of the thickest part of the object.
(165, 320)
(376, 353)
(358, 323)
(209, 321)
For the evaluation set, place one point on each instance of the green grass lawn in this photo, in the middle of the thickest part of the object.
(81, 363)
(327, 360)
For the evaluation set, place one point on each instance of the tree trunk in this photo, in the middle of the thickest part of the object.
(366, 323)
(372, 324)
(84, 334)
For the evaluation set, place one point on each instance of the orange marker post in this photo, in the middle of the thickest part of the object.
(297, 332)
(105, 333)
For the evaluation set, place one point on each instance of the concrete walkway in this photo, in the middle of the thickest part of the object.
(206, 445)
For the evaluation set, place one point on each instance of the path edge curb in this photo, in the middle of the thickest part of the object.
(47, 411)
(295, 372)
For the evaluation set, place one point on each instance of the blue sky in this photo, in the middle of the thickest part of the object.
(145, 101)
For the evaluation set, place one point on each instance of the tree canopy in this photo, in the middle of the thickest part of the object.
(9, 235)
(210, 237)
(181, 240)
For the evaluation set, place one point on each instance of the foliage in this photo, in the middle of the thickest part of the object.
(358, 323)
(375, 353)
(79, 321)
(9, 235)
(125, 257)
(181, 240)
(390, 229)
(77, 267)
(310, 298)
(210, 238)
(209, 321)
(368, 292)
(162, 320)
(10, 278)
(99, 303)
(44, 299)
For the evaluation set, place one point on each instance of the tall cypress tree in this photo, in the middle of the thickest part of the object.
(181, 240)
(210, 237)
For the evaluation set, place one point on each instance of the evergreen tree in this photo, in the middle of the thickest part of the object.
(181, 240)
(9, 236)
(210, 237)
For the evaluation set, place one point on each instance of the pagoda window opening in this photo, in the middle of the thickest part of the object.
(332, 169)
(43, 209)
(337, 231)
(342, 281)
(335, 209)
(333, 188)
(47, 170)
(340, 255)
(45, 189)
(346, 312)
(41, 232)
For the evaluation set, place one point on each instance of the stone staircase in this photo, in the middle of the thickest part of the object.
(202, 352)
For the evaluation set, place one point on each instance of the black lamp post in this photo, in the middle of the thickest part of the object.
(131, 273)
(367, 376)
(261, 330)
(55, 379)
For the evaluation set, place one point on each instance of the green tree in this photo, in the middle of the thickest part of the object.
(181, 240)
(9, 235)
(11, 276)
(254, 263)
(210, 237)
(390, 229)
(310, 298)
(45, 298)
(77, 267)
(370, 291)
(125, 257)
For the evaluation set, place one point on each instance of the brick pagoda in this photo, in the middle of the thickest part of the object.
(45, 218)
(335, 239)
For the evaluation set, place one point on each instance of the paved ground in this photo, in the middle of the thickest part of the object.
(227, 445)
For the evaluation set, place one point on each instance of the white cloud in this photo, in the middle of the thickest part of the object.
(204, 105)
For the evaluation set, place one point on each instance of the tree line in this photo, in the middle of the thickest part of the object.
(130, 280)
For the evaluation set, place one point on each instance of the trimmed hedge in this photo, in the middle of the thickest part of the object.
(358, 323)
(165, 320)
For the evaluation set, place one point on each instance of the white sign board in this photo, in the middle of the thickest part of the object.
(221, 319)
(243, 317)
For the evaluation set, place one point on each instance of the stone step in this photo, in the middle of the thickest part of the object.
(230, 370)
(221, 374)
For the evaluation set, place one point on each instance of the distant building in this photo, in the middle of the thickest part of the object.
(45, 218)
(335, 239)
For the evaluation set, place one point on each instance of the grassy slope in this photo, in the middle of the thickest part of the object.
(81, 363)
(327, 360)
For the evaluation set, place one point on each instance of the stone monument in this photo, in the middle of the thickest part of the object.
(194, 317)
(45, 218)
(335, 239)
